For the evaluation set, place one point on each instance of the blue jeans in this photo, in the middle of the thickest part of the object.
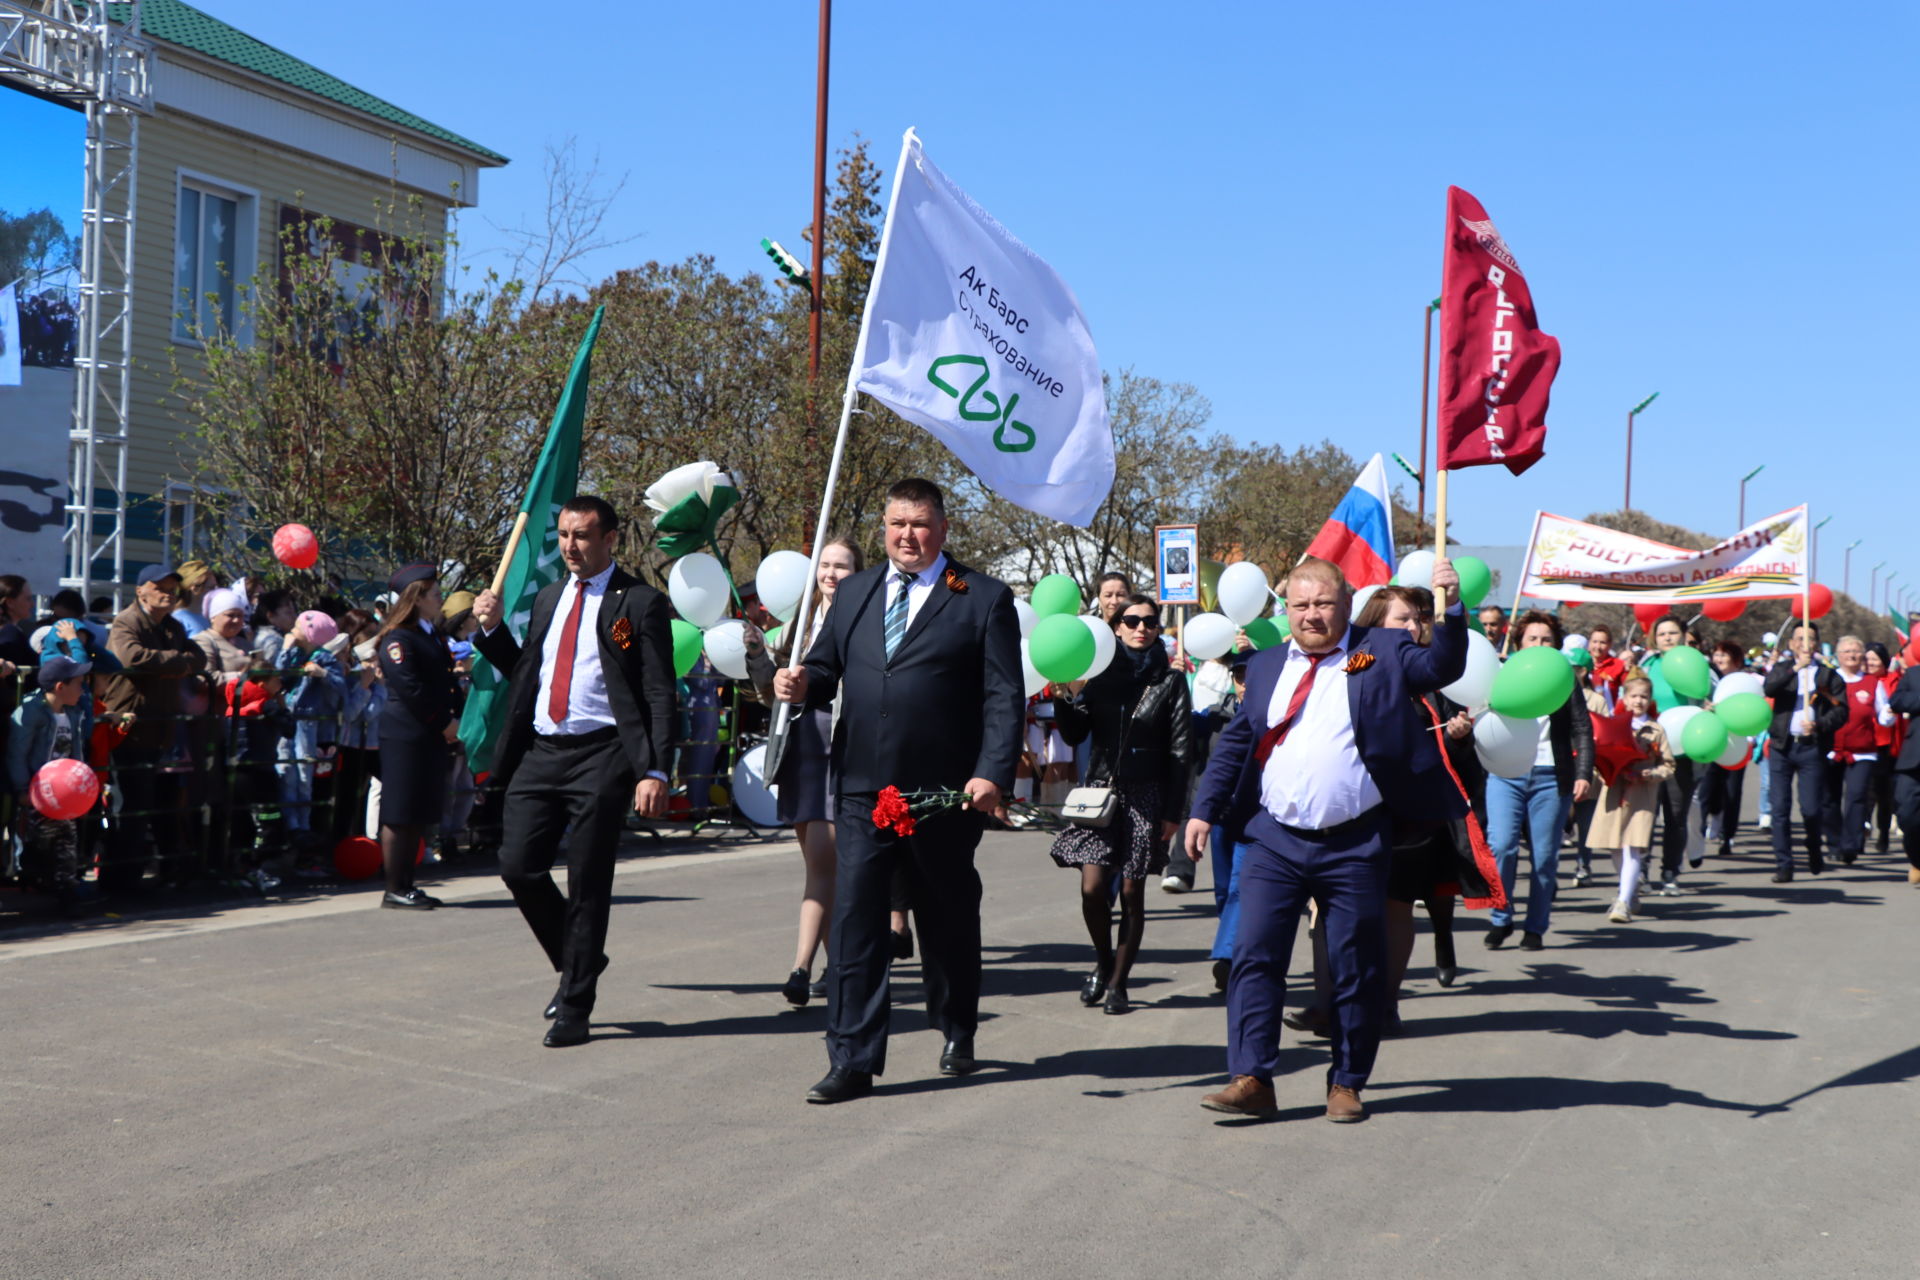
(1226, 888)
(1537, 801)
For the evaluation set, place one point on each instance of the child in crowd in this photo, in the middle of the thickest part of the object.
(49, 726)
(257, 725)
(1624, 820)
(316, 696)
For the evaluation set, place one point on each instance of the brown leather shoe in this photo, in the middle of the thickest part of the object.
(1246, 1096)
(1343, 1105)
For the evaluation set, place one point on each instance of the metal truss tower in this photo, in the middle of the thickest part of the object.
(78, 55)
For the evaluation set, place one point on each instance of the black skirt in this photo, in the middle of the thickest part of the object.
(413, 775)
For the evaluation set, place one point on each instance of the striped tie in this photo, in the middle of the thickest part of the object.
(896, 619)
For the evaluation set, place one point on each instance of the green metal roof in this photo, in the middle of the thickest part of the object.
(181, 24)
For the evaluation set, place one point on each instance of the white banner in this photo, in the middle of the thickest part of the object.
(972, 336)
(1572, 560)
(9, 337)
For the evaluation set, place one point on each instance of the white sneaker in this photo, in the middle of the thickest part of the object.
(1582, 877)
(1766, 822)
(1620, 914)
(1671, 889)
(1175, 884)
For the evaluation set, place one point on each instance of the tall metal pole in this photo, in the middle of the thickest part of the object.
(1873, 583)
(1743, 493)
(1636, 411)
(1846, 568)
(1426, 385)
(816, 278)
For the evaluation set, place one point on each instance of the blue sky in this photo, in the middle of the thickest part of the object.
(1715, 201)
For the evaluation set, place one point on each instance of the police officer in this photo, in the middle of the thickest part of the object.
(417, 729)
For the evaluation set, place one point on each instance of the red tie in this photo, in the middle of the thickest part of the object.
(563, 661)
(1278, 733)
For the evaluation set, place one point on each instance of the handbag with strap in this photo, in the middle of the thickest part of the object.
(1096, 807)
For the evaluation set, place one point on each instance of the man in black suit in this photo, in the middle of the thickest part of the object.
(925, 654)
(1905, 699)
(588, 733)
(1809, 706)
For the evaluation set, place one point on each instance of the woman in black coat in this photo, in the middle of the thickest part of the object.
(1138, 715)
(417, 729)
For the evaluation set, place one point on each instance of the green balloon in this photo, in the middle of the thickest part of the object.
(1061, 647)
(687, 643)
(774, 637)
(1056, 594)
(1283, 626)
(1264, 633)
(1532, 683)
(1475, 579)
(1687, 671)
(1745, 714)
(1705, 737)
(1473, 623)
(1579, 657)
(1210, 571)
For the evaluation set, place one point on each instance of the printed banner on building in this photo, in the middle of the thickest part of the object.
(1572, 560)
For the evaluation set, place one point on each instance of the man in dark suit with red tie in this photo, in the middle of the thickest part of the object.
(925, 654)
(588, 737)
(1328, 753)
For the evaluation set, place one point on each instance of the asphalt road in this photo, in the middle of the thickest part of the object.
(1726, 1087)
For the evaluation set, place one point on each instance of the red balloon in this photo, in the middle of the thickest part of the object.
(1822, 600)
(1724, 610)
(295, 546)
(1569, 604)
(1648, 614)
(64, 789)
(357, 858)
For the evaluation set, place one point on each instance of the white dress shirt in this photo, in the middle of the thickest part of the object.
(919, 589)
(1315, 778)
(587, 705)
(1801, 723)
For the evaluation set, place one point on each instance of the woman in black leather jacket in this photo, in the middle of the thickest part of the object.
(1138, 713)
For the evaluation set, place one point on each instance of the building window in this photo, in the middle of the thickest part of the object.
(212, 254)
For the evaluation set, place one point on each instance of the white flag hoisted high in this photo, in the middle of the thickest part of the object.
(971, 335)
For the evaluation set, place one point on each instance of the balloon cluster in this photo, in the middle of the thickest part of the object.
(1058, 644)
(1242, 595)
(1416, 570)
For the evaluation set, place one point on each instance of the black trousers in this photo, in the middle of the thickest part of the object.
(150, 801)
(1906, 807)
(1849, 802)
(1801, 758)
(937, 861)
(1676, 799)
(579, 791)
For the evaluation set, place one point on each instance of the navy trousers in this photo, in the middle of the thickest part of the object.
(1803, 760)
(1281, 870)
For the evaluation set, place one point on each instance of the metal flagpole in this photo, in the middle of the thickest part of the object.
(1526, 563)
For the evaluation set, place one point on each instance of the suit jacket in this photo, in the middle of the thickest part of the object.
(1906, 698)
(949, 706)
(638, 672)
(1829, 703)
(418, 672)
(1396, 742)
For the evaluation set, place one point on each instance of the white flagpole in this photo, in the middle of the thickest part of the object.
(800, 618)
(1526, 563)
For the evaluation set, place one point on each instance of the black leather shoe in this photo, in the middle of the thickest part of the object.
(903, 945)
(795, 990)
(957, 1058)
(1117, 1001)
(1531, 942)
(553, 1005)
(1496, 936)
(1445, 974)
(1093, 989)
(1816, 864)
(567, 1029)
(411, 900)
(842, 1084)
(1783, 877)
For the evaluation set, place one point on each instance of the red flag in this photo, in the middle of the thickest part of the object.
(1496, 367)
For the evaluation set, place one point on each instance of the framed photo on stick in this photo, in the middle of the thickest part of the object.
(1176, 563)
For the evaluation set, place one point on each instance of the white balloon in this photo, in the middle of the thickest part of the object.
(1242, 592)
(698, 587)
(754, 795)
(1104, 645)
(1738, 682)
(1673, 723)
(1736, 752)
(1505, 745)
(1208, 635)
(1035, 681)
(726, 645)
(1572, 642)
(1417, 569)
(1771, 637)
(1475, 684)
(1361, 597)
(1027, 616)
(779, 581)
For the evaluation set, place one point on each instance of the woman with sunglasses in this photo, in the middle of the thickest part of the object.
(1136, 715)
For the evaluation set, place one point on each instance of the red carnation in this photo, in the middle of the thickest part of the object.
(904, 827)
(891, 808)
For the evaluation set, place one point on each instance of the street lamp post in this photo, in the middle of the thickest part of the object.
(1626, 502)
(1813, 551)
(1846, 568)
(1743, 493)
(1426, 384)
(1873, 580)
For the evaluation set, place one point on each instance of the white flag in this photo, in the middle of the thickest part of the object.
(971, 335)
(9, 338)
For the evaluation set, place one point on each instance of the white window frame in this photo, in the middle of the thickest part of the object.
(246, 251)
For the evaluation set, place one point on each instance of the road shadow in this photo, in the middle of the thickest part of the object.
(1624, 991)
(1535, 1093)
(618, 900)
(1646, 934)
(1594, 1024)
(1802, 895)
(1896, 1068)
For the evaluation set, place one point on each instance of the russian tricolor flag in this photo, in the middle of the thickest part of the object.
(1358, 536)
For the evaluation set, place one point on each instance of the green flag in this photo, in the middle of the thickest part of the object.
(536, 560)
(1899, 621)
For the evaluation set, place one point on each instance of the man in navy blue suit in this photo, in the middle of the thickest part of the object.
(1327, 754)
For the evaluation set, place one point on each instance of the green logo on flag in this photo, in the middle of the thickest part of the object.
(995, 413)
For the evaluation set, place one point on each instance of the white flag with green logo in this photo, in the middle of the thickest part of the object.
(971, 335)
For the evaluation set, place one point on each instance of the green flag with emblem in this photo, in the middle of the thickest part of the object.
(535, 557)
